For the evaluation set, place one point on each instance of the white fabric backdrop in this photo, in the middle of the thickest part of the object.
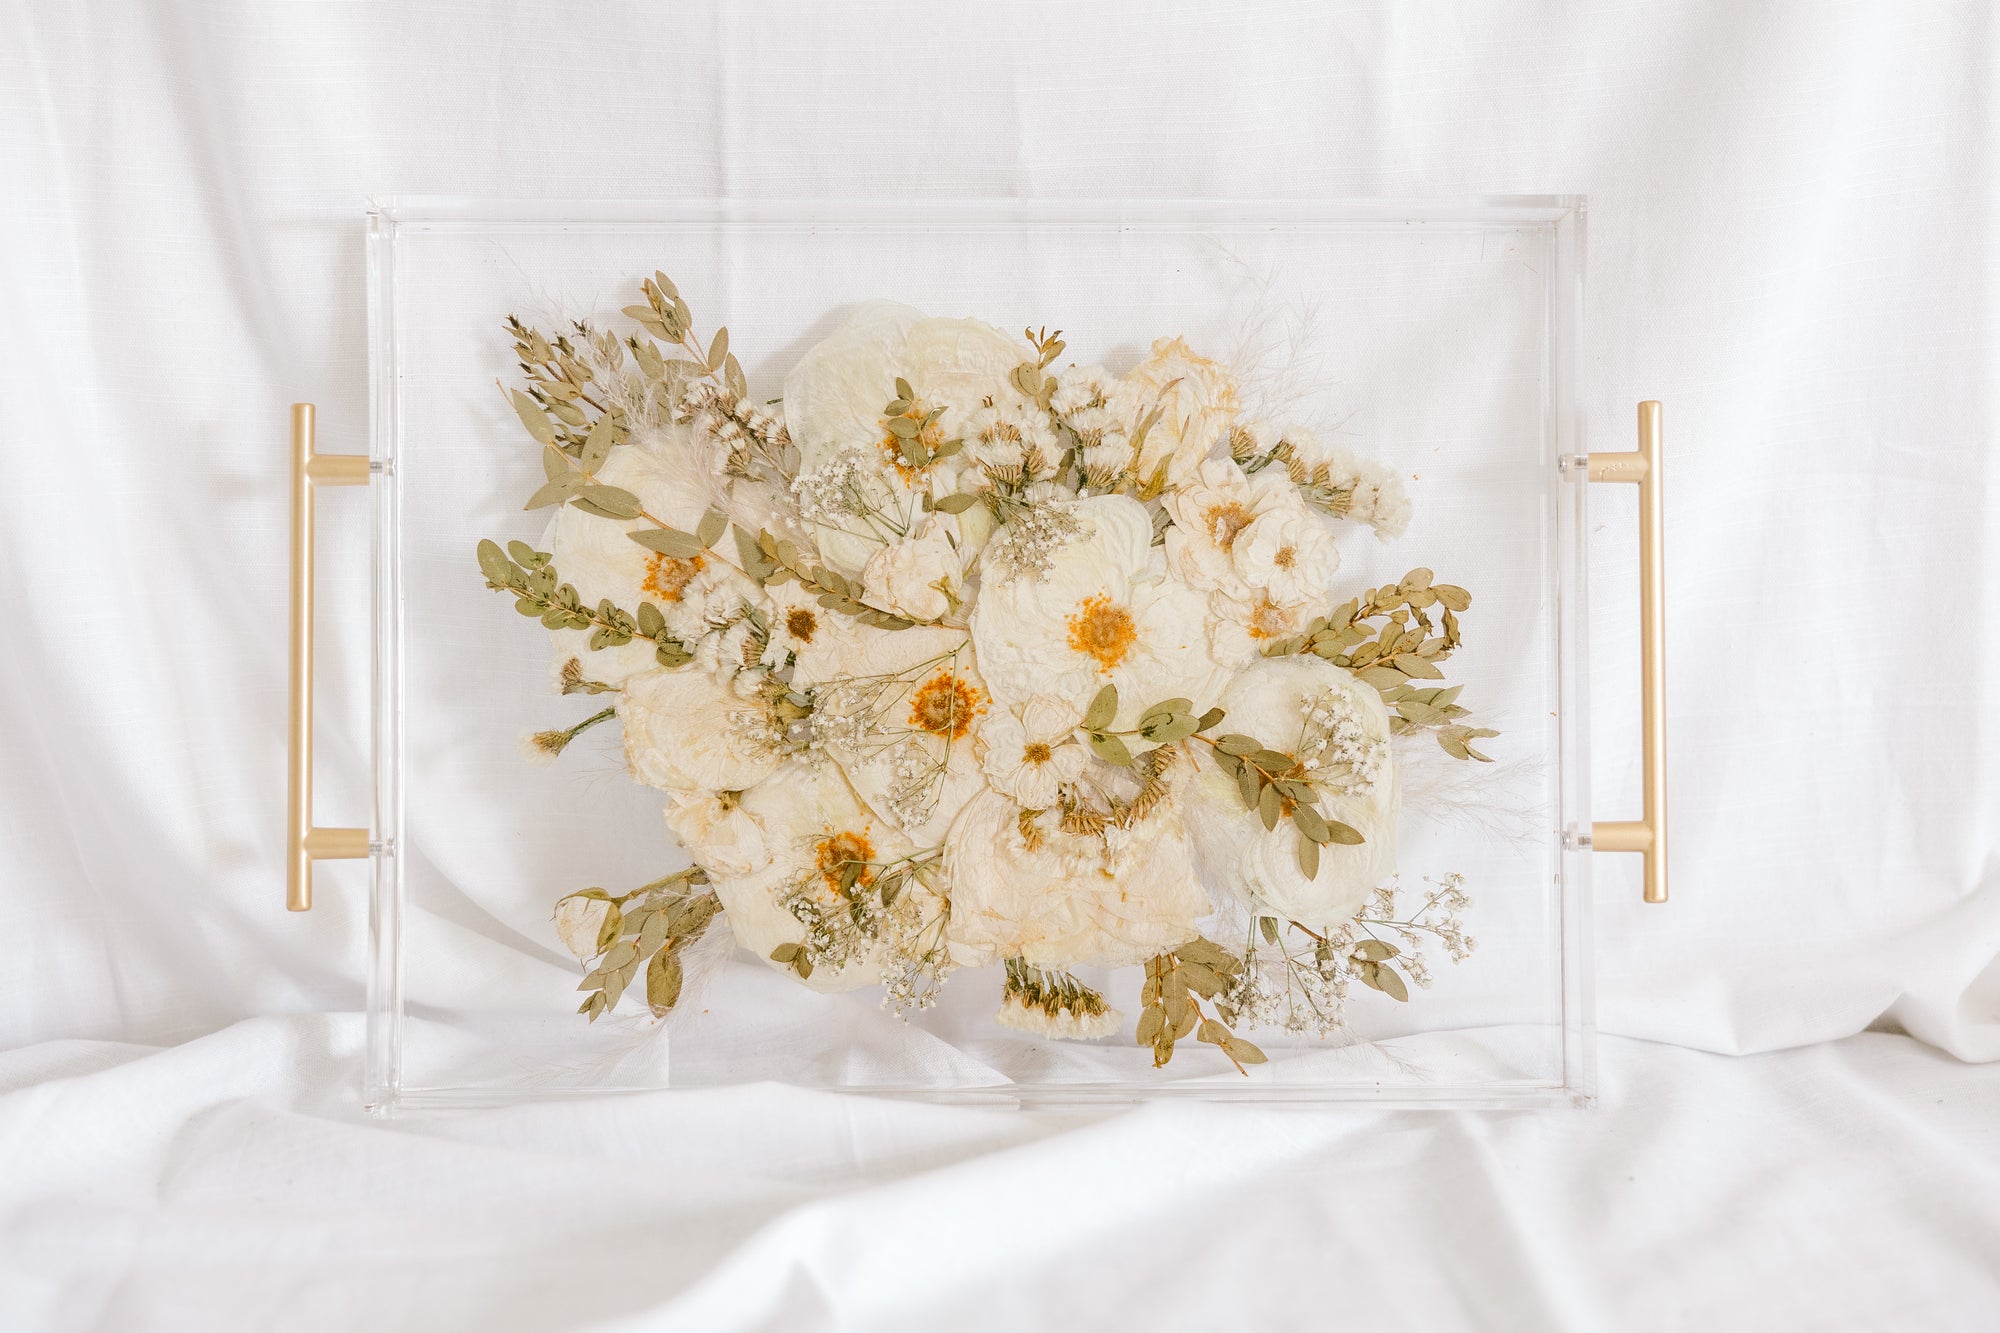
(1793, 231)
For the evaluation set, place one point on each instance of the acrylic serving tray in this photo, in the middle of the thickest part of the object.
(1439, 336)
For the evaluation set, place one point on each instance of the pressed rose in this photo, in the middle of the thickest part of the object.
(808, 818)
(1212, 511)
(910, 576)
(580, 920)
(1198, 402)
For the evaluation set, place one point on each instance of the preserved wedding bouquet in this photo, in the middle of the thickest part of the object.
(957, 656)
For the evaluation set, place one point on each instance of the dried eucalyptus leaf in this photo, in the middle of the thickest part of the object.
(1309, 857)
(1202, 979)
(718, 348)
(784, 953)
(553, 492)
(1211, 1032)
(1209, 719)
(1270, 806)
(663, 981)
(1391, 984)
(1102, 709)
(709, 531)
(1375, 950)
(954, 504)
(607, 502)
(493, 562)
(1248, 784)
(1150, 1025)
(669, 542)
(1419, 667)
(1111, 749)
(1345, 834)
(1269, 926)
(1313, 826)
(1245, 1053)
(1236, 743)
(533, 417)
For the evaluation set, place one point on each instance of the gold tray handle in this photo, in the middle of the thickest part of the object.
(304, 842)
(1648, 834)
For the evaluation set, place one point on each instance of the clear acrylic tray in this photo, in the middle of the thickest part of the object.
(1439, 337)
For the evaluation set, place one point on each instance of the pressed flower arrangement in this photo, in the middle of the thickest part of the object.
(957, 656)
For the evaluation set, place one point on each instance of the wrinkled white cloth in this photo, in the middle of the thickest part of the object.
(1792, 243)
(230, 1183)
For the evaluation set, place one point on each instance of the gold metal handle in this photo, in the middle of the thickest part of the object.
(305, 843)
(1648, 834)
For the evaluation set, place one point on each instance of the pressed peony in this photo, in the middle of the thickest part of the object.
(1274, 699)
(686, 731)
(834, 398)
(1105, 613)
(1072, 900)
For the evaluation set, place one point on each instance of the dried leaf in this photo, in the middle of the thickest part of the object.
(609, 501)
(1111, 749)
(493, 563)
(597, 445)
(532, 416)
(669, 542)
(1102, 709)
(1309, 858)
(663, 981)
(709, 531)
(1345, 834)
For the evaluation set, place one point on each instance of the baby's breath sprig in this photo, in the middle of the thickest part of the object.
(1171, 1010)
(538, 592)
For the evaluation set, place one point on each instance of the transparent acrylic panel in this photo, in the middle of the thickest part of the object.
(1439, 338)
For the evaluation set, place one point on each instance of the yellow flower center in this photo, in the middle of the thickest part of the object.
(838, 851)
(944, 705)
(1268, 620)
(1102, 631)
(1035, 752)
(667, 577)
(1226, 522)
(1286, 557)
(801, 622)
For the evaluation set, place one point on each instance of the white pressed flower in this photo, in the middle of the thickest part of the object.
(1062, 1024)
(720, 829)
(903, 725)
(1198, 402)
(1063, 902)
(813, 826)
(579, 921)
(917, 576)
(685, 730)
(1030, 750)
(598, 557)
(1354, 488)
(1288, 553)
(1240, 627)
(834, 398)
(1011, 438)
(1101, 613)
(820, 643)
(1212, 508)
(1283, 702)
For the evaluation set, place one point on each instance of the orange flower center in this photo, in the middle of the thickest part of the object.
(839, 851)
(928, 438)
(944, 705)
(1035, 752)
(1102, 631)
(1286, 557)
(1226, 522)
(1268, 620)
(801, 622)
(667, 576)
